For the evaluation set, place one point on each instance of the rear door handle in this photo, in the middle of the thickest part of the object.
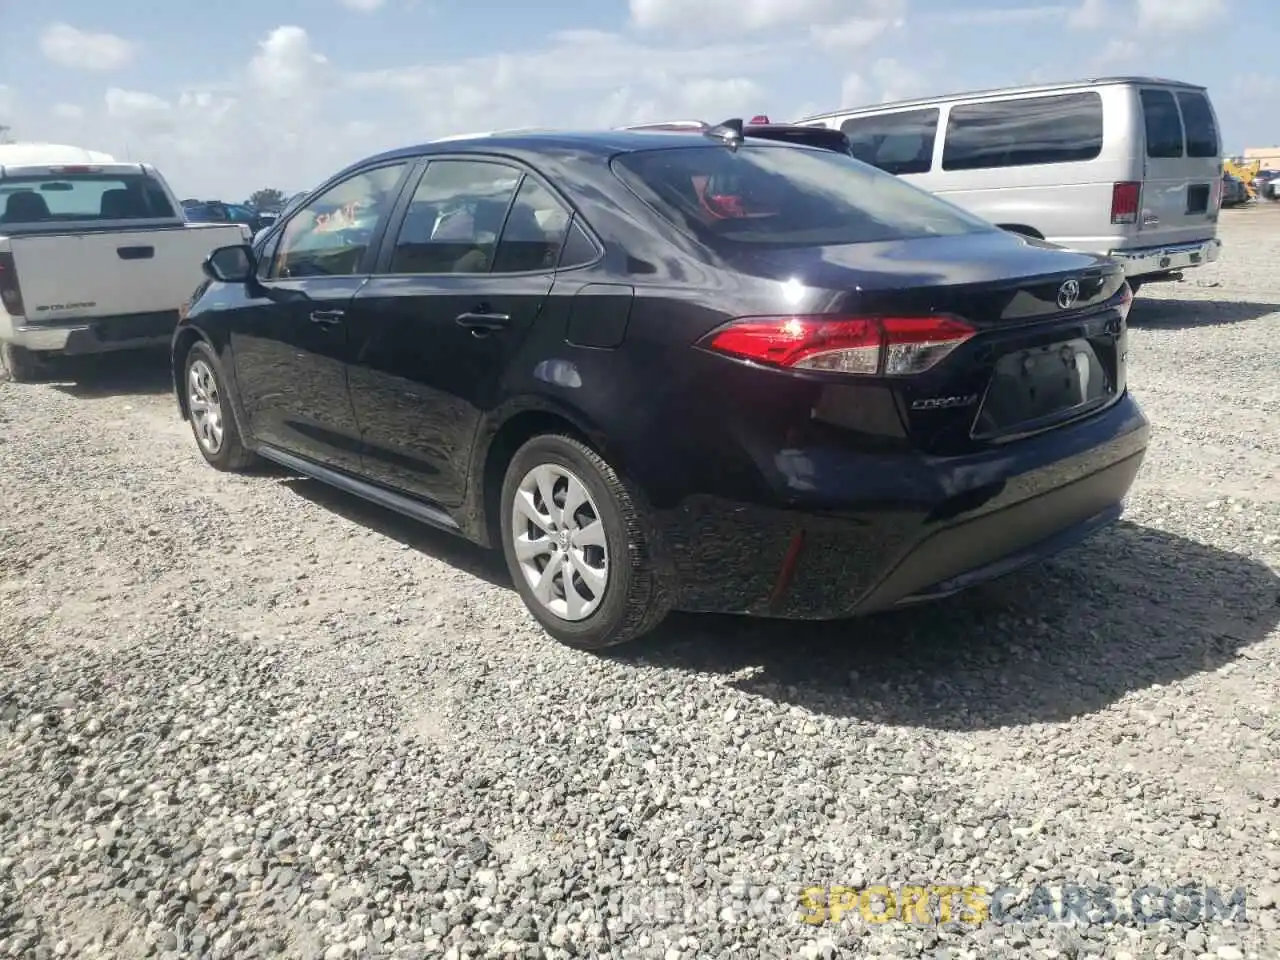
(327, 318)
(135, 253)
(484, 322)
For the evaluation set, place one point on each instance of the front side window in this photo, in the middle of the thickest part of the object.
(330, 235)
(898, 143)
(1028, 131)
(82, 197)
(779, 196)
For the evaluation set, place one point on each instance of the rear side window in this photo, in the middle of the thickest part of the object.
(534, 231)
(897, 143)
(79, 198)
(775, 196)
(1162, 124)
(1065, 128)
(1202, 131)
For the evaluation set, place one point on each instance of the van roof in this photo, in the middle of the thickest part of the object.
(1003, 91)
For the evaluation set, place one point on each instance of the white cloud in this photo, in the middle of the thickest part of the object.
(1091, 15)
(285, 66)
(998, 16)
(855, 33)
(8, 103)
(362, 6)
(1116, 53)
(76, 49)
(1180, 16)
(897, 81)
(290, 116)
(68, 111)
(730, 16)
(854, 91)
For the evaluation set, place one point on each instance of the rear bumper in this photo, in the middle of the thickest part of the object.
(960, 521)
(1142, 261)
(99, 335)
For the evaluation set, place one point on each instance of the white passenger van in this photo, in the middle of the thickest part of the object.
(1130, 167)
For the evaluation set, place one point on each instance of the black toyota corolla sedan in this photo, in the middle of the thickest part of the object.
(674, 370)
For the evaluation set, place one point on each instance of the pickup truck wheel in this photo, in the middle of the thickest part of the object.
(21, 364)
(209, 410)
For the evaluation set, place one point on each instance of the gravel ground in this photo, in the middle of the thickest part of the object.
(250, 717)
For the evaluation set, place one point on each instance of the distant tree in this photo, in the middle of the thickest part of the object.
(4, 133)
(268, 198)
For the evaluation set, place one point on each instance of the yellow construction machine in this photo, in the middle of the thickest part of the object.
(1244, 171)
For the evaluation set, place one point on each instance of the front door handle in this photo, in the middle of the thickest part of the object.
(484, 322)
(327, 318)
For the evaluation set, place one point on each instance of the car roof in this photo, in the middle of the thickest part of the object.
(598, 143)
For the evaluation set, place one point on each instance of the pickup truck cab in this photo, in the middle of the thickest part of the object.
(95, 255)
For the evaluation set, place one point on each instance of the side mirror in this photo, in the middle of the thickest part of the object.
(234, 264)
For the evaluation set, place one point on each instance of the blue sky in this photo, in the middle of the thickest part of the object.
(229, 97)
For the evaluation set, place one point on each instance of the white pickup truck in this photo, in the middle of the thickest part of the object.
(95, 255)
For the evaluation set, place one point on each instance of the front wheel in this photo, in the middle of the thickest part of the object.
(578, 545)
(209, 409)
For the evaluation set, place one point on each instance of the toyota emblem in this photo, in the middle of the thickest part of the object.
(1068, 294)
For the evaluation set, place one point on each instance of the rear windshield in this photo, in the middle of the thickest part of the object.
(773, 195)
(82, 197)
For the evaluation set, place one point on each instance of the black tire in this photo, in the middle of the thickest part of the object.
(231, 455)
(635, 598)
(21, 365)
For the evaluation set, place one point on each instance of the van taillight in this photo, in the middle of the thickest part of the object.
(10, 292)
(1125, 198)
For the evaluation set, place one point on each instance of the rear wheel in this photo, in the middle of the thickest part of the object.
(209, 410)
(576, 545)
(22, 365)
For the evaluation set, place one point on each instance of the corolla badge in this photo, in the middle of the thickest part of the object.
(1068, 294)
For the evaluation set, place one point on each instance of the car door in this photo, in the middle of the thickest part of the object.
(1182, 166)
(460, 283)
(290, 346)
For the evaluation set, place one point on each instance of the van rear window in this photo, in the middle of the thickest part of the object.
(80, 198)
(1202, 132)
(1162, 124)
(1065, 128)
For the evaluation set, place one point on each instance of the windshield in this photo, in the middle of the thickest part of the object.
(79, 198)
(773, 195)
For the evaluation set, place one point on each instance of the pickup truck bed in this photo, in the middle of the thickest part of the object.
(79, 283)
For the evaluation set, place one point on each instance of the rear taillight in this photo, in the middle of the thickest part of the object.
(1125, 198)
(867, 346)
(760, 118)
(10, 292)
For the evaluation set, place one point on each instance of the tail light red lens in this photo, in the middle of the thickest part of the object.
(760, 118)
(10, 292)
(1125, 198)
(866, 346)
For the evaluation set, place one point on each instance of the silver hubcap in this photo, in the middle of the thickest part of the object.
(559, 542)
(205, 406)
